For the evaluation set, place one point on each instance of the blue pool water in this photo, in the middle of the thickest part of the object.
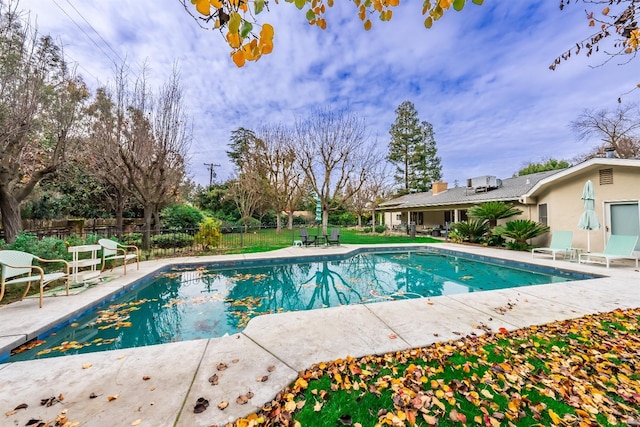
(187, 303)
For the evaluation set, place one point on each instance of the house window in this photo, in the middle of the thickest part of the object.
(399, 217)
(542, 214)
(606, 176)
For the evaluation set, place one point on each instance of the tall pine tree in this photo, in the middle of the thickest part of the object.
(413, 152)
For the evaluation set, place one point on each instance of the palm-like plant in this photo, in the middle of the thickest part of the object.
(473, 229)
(493, 211)
(521, 230)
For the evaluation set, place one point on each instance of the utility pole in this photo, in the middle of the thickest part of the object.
(212, 174)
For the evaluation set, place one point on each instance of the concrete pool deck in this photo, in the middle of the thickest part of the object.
(159, 385)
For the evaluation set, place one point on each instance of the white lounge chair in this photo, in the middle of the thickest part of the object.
(560, 242)
(618, 247)
(17, 267)
(113, 251)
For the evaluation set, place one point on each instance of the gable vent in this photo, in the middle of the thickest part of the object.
(606, 176)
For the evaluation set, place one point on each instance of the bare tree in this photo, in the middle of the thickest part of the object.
(282, 174)
(106, 135)
(373, 190)
(335, 156)
(247, 192)
(40, 106)
(618, 129)
(155, 146)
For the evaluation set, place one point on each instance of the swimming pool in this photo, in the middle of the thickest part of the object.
(194, 302)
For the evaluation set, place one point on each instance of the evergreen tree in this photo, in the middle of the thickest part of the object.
(413, 151)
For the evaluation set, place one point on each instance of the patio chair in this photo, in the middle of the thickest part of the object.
(618, 247)
(17, 267)
(334, 238)
(113, 251)
(306, 239)
(560, 242)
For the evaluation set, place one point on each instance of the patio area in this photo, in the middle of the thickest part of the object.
(160, 385)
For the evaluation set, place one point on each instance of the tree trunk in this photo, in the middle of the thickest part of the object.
(10, 210)
(146, 233)
(290, 224)
(359, 221)
(278, 223)
(325, 222)
(119, 215)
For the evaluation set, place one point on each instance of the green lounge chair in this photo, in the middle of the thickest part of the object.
(618, 247)
(112, 251)
(560, 242)
(17, 267)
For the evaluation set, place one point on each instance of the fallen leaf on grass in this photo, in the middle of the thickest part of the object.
(318, 406)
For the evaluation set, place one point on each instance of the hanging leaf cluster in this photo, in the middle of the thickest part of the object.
(237, 19)
(620, 23)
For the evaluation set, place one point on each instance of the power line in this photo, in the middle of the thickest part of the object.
(85, 33)
(95, 31)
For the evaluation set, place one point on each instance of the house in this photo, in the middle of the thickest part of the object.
(552, 198)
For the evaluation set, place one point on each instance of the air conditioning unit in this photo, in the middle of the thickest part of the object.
(486, 181)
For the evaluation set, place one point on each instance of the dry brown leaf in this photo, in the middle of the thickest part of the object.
(112, 397)
(146, 378)
(262, 378)
(222, 405)
(87, 365)
(221, 366)
(137, 422)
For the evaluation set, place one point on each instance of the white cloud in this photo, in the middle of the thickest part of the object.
(480, 76)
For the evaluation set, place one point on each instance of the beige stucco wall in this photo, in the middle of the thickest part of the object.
(564, 203)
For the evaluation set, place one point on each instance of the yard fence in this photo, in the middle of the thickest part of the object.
(164, 243)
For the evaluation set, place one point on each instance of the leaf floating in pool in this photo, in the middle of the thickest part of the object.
(466, 278)
(27, 346)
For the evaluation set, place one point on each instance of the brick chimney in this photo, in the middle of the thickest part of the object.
(438, 187)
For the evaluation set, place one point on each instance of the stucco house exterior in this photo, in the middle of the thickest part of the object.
(552, 198)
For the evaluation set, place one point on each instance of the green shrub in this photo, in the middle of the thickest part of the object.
(209, 234)
(472, 230)
(455, 237)
(521, 230)
(366, 230)
(131, 239)
(380, 228)
(180, 217)
(172, 240)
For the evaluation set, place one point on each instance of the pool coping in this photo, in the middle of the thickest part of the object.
(269, 338)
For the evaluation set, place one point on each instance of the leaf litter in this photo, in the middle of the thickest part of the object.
(579, 372)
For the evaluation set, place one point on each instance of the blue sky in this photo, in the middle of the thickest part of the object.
(479, 76)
